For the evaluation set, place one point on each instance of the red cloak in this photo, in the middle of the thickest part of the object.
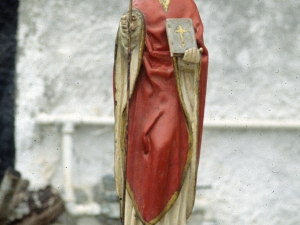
(157, 131)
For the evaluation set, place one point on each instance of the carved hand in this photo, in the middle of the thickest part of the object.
(135, 26)
(192, 55)
(125, 21)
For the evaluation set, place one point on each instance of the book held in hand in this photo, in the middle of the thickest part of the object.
(181, 35)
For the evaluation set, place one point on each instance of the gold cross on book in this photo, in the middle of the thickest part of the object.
(181, 31)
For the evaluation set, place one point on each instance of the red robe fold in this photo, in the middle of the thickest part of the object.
(158, 137)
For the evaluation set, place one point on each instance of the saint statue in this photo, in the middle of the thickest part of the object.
(156, 167)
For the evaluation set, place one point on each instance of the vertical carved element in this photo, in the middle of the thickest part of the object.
(165, 4)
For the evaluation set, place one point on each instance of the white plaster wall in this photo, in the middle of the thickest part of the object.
(64, 65)
(254, 74)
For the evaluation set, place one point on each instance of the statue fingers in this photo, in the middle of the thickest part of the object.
(198, 56)
(195, 58)
(200, 50)
(185, 56)
(124, 26)
(195, 55)
(191, 54)
(124, 20)
(194, 50)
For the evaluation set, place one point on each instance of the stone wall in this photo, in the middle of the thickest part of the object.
(65, 57)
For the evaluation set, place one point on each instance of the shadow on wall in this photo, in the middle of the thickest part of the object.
(8, 28)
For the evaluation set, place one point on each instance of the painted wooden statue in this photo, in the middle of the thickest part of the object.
(156, 168)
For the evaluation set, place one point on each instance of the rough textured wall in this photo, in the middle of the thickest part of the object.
(254, 176)
(254, 48)
(65, 58)
(65, 66)
(8, 29)
(254, 74)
